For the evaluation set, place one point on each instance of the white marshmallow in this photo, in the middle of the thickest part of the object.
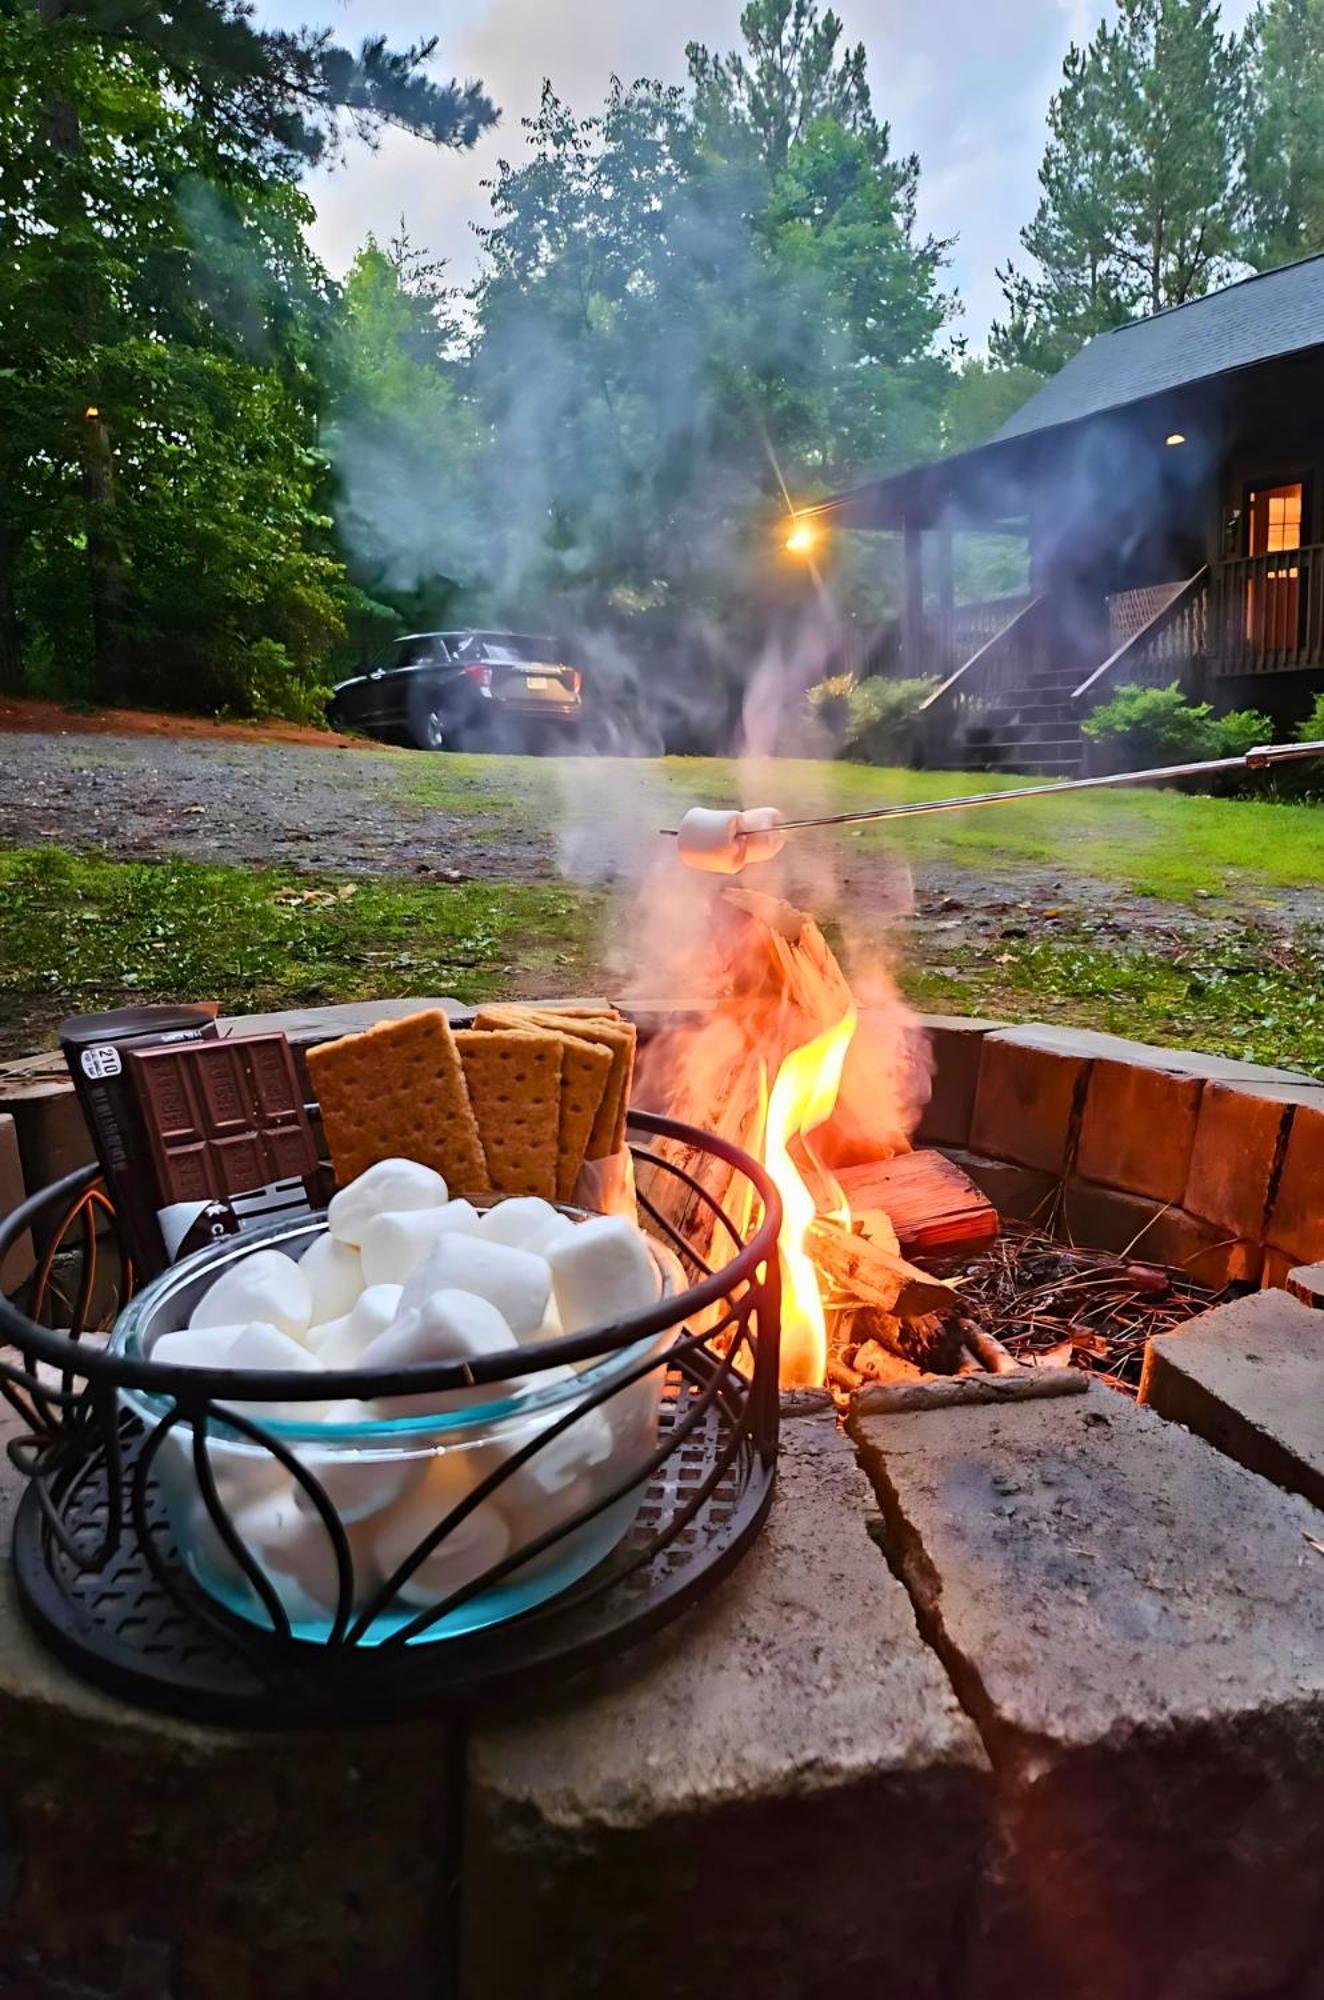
(339, 1343)
(358, 1483)
(470, 1548)
(516, 1282)
(395, 1244)
(523, 1222)
(258, 1347)
(445, 1326)
(762, 828)
(389, 1185)
(334, 1277)
(603, 1272)
(195, 1347)
(296, 1552)
(266, 1286)
(711, 841)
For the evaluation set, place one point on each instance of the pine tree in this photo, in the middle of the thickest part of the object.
(1140, 199)
(1284, 148)
(788, 75)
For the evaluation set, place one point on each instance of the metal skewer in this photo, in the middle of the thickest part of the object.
(1262, 758)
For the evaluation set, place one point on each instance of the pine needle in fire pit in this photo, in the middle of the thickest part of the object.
(1056, 1306)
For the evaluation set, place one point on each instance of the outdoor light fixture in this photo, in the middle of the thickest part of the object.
(91, 413)
(801, 538)
(1175, 437)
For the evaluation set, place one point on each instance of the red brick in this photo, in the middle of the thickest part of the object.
(1102, 1218)
(1139, 1128)
(1024, 1101)
(1296, 1222)
(1236, 1147)
(1024, 1193)
(957, 1046)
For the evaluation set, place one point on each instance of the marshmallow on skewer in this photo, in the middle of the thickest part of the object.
(266, 1286)
(388, 1186)
(334, 1276)
(444, 1326)
(711, 841)
(764, 838)
(603, 1272)
(516, 1282)
(339, 1342)
(396, 1242)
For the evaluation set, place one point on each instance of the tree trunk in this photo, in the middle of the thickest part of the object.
(104, 561)
(11, 641)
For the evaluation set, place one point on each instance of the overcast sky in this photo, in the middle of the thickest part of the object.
(964, 83)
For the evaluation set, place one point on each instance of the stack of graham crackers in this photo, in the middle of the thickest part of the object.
(514, 1105)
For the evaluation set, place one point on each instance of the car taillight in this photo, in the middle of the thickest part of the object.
(576, 680)
(480, 676)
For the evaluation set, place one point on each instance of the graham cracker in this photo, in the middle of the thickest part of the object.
(585, 1074)
(608, 1132)
(397, 1091)
(514, 1081)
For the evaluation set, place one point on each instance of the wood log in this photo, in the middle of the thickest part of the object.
(874, 1277)
(934, 1205)
(950, 1392)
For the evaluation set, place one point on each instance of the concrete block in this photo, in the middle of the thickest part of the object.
(1023, 1193)
(1089, 1045)
(1101, 1218)
(1249, 1378)
(1138, 1624)
(1306, 1282)
(1025, 1100)
(772, 1801)
(1296, 1219)
(52, 1133)
(1138, 1128)
(18, 1264)
(1237, 1137)
(956, 1044)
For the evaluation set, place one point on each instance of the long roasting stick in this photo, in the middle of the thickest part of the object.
(1261, 759)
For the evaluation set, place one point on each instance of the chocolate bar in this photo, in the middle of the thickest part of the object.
(223, 1118)
(96, 1047)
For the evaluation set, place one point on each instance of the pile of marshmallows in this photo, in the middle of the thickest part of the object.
(405, 1275)
(722, 843)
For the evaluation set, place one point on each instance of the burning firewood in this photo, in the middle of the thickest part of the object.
(873, 1276)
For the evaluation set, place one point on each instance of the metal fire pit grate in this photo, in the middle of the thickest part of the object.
(103, 1581)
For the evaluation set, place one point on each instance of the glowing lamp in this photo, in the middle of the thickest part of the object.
(91, 413)
(801, 538)
(1175, 437)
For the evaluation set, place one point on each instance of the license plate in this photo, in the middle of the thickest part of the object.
(539, 684)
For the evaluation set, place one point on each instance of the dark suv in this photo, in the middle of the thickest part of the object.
(464, 691)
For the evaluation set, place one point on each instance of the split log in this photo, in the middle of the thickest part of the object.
(903, 1398)
(934, 1205)
(874, 1277)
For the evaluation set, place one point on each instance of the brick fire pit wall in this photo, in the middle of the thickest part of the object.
(1025, 1700)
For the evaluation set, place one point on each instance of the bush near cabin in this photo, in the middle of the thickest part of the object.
(869, 721)
(1143, 726)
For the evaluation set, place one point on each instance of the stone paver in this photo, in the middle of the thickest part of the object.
(1306, 1282)
(956, 1044)
(1236, 1150)
(1296, 1220)
(1156, 1233)
(1249, 1378)
(1139, 1623)
(778, 1800)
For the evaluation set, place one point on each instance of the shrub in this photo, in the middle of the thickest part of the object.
(1146, 725)
(870, 721)
(1312, 729)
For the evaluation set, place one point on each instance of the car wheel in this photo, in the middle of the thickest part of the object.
(432, 731)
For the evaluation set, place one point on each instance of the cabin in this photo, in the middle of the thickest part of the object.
(1169, 487)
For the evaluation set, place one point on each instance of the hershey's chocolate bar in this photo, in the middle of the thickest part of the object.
(223, 1118)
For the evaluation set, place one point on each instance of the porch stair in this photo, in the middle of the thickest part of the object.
(1033, 728)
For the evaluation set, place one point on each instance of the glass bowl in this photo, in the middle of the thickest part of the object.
(308, 1522)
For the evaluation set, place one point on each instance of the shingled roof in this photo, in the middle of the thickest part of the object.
(1280, 312)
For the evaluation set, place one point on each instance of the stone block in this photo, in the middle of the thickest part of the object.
(18, 1264)
(956, 1044)
(1023, 1193)
(774, 1800)
(313, 1862)
(1296, 1218)
(1138, 1624)
(1101, 1218)
(1249, 1378)
(53, 1138)
(1026, 1100)
(1237, 1138)
(1306, 1282)
(1090, 1045)
(1138, 1128)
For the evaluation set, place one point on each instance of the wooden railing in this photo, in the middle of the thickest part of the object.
(1169, 646)
(1270, 615)
(981, 683)
(951, 638)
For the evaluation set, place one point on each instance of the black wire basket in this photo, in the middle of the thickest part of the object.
(555, 1519)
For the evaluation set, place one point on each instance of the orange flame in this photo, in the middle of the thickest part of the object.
(803, 1097)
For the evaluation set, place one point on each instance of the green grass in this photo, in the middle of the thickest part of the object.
(80, 933)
